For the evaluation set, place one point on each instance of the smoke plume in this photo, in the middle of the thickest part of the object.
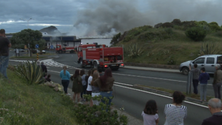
(107, 17)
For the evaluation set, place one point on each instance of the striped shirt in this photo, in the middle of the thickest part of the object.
(175, 115)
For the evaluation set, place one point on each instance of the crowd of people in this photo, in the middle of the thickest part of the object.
(202, 76)
(176, 113)
(94, 83)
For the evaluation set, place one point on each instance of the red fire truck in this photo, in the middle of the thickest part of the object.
(65, 49)
(100, 56)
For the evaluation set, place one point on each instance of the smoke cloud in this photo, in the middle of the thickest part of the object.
(107, 17)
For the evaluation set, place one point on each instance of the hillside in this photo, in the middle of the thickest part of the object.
(167, 43)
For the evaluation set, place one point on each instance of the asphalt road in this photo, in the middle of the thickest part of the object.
(134, 100)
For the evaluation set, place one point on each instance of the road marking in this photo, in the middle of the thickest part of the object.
(156, 94)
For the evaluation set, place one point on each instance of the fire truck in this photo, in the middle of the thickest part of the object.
(100, 56)
(65, 49)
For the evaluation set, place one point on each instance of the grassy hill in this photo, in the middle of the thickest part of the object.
(22, 104)
(167, 43)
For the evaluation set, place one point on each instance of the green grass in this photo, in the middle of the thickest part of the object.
(22, 104)
(164, 44)
(192, 95)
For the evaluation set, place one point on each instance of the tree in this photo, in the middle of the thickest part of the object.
(196, 33)
(27, 37)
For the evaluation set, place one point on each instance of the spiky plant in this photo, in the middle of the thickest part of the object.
(211, 48)
(134, 50)
(31, 72)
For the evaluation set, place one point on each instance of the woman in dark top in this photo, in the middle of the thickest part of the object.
(106, 85)
(77, 85)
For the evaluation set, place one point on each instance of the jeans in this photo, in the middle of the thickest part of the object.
(203, 92)
(195, 84)
(217, 93)
(83, 90)
(65, 84)
(107, 95)
(3, 65)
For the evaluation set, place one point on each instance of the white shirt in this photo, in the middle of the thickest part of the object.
(149, 119)
(89, 87)
(175, 115)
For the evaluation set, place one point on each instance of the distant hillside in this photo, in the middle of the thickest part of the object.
(51, 30)
(166, 43)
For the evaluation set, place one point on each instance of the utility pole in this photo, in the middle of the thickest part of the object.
(27, 21)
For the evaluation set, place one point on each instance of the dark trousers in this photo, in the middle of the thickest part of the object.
(195, 84)
(83, 90)
(65, 84)
(217, 93)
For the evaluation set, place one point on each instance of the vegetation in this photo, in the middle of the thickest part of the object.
(98, 114)
(170, 43)
(29, 38)
(23, 104)
(26, 101)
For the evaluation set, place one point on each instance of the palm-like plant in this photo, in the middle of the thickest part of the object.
(31, 72)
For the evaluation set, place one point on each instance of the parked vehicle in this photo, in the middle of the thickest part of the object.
(100, 56)
(206, 61)
(64, 49)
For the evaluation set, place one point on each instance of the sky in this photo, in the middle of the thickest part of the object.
(102, 17)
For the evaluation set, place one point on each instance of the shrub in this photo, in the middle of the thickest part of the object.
(214, 26)
(211, 48)
(134, 50)
(171, 61)
(98, 114)
(196, 33)
(116, 38)
(31, 72)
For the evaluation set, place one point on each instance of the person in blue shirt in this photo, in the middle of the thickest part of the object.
(65, 75)
(203, 78)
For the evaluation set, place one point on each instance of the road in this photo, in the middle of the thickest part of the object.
(133, 100)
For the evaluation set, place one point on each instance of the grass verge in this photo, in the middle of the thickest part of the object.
(22, 104)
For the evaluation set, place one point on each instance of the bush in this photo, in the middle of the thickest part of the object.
(116, 38)
(214, 26)
(98, 114)
(31, 72)
(134, 50)
(211, 48)
(196, 33)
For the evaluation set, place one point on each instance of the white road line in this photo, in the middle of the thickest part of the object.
(150, 77)
(159, 95)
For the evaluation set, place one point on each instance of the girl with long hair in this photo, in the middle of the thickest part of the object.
(106, 85)
(149, 114)
(84, 85)
(95, 86)
(65, 76)
(77, 86)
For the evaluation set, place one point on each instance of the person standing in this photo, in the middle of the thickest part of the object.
(44, 69)
(65, 75)
(203, 78)
(95, 87)
(89, 87)
(196, 73)
(149, 114)
(217, 81)
(4, 53)
(175, 112)
(106, 86)
(214, 106)
(77, 86)
(84, 85)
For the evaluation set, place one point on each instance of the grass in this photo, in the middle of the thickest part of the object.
(24, 104)
(192, 95)
(163, 44)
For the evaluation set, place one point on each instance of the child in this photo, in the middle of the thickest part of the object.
(203, 78)
(48, 78)
(149, 114)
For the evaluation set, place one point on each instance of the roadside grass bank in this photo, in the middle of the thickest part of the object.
(22, 104)
(190, 97)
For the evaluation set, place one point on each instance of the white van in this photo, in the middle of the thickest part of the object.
(206, 61)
